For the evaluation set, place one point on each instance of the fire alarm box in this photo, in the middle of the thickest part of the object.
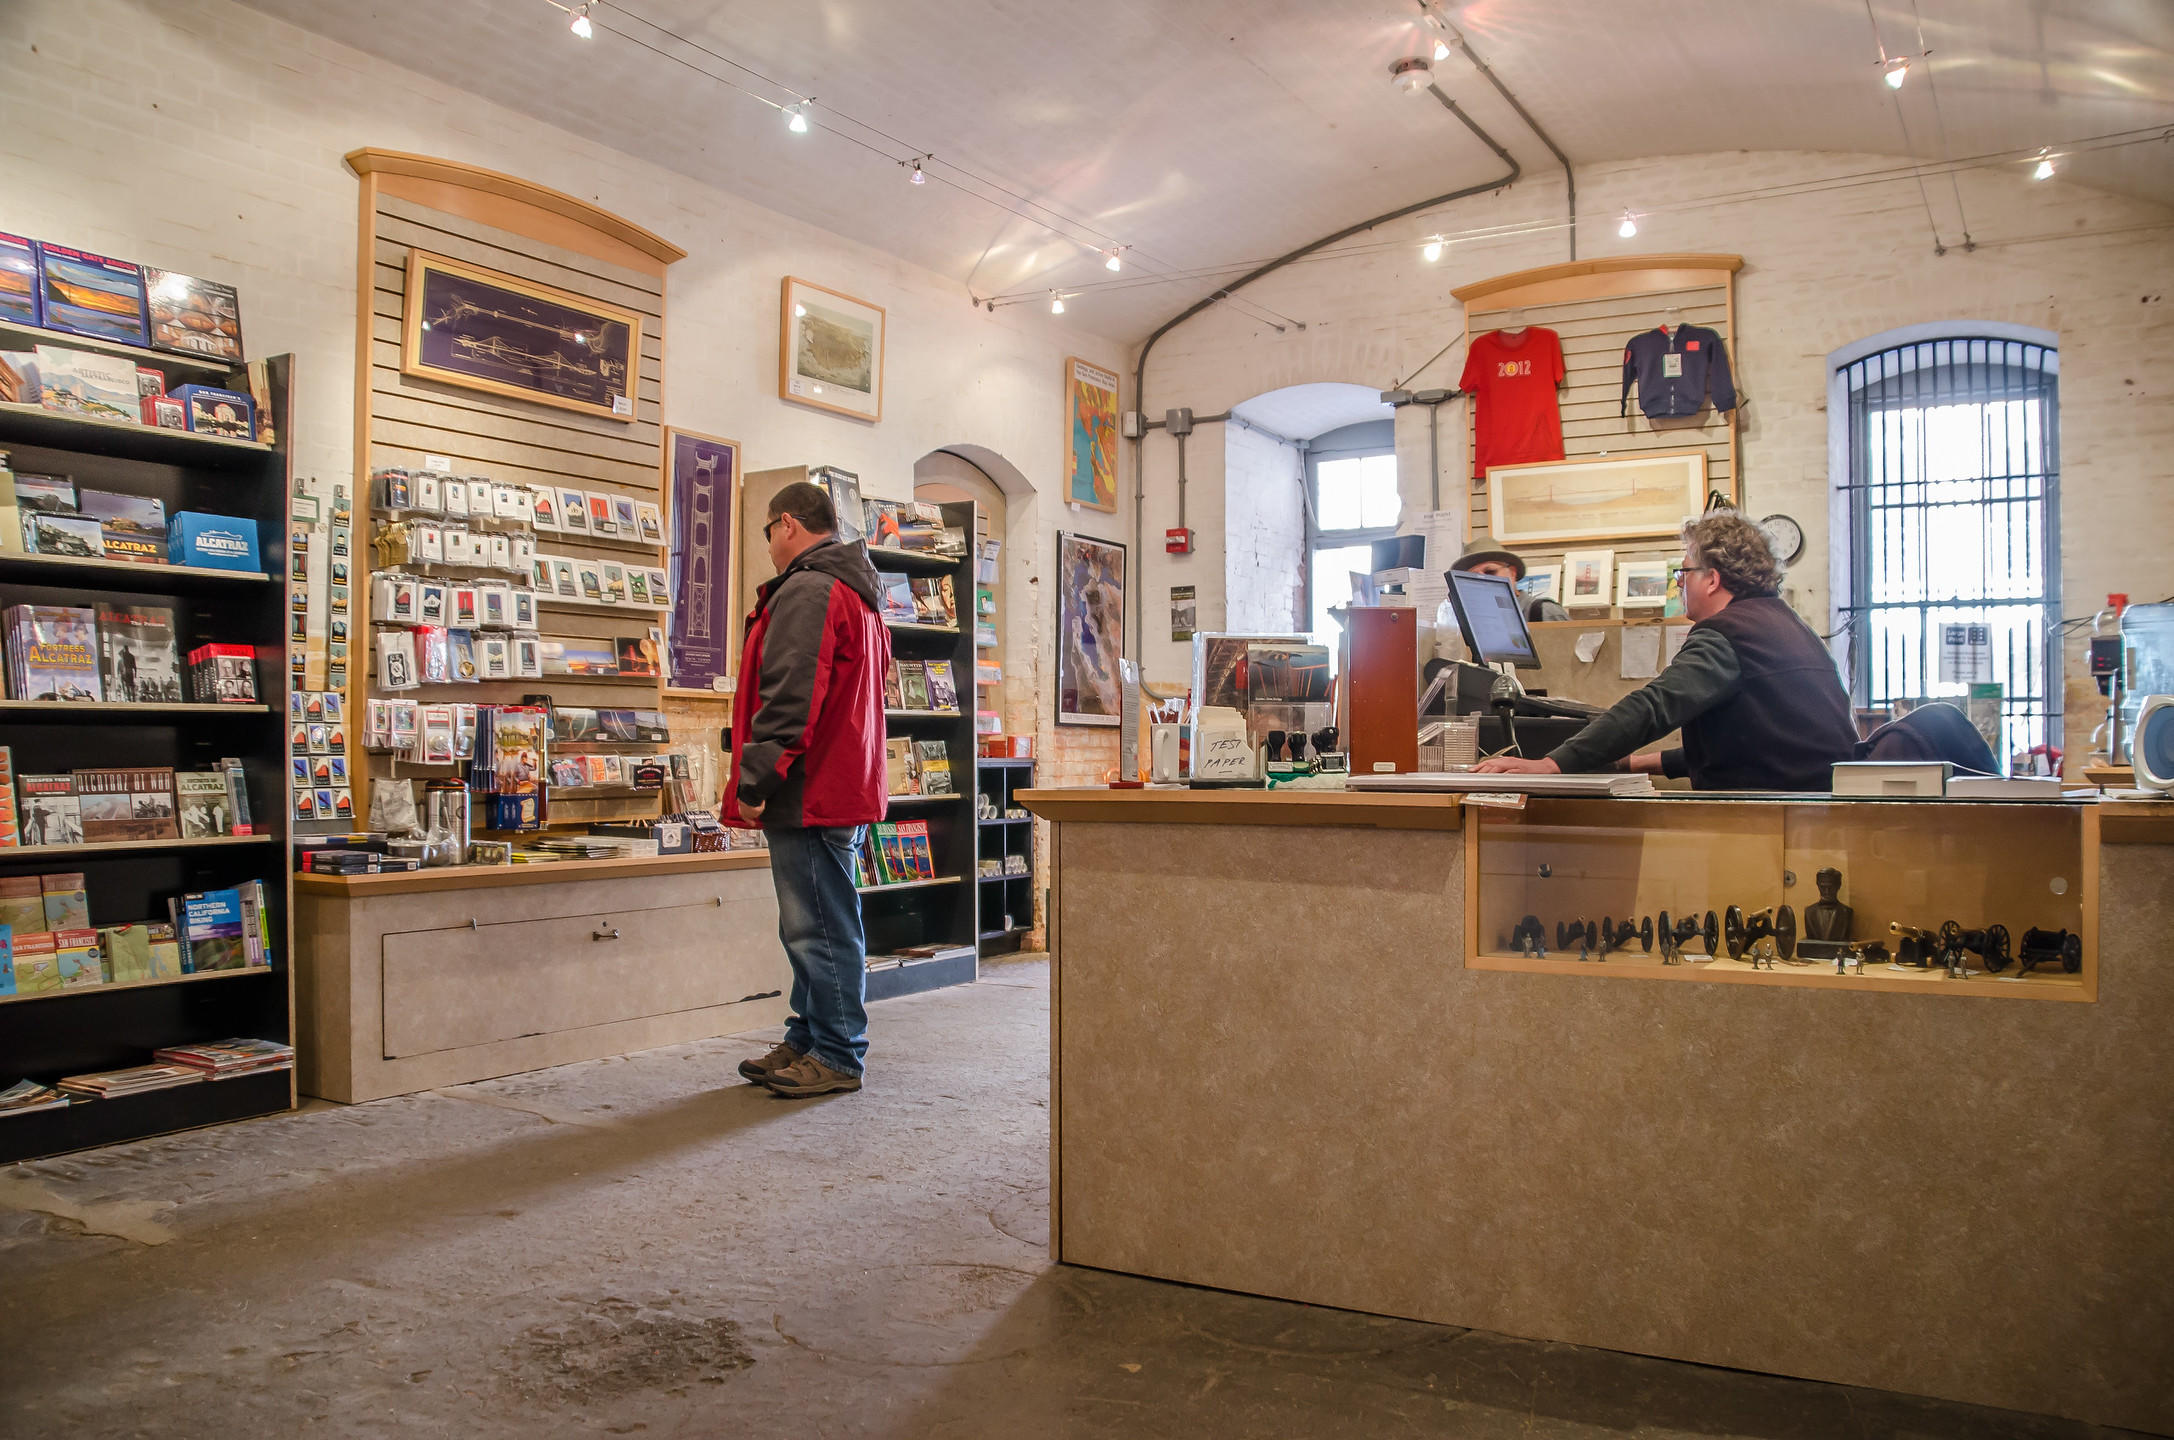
(1178, 541)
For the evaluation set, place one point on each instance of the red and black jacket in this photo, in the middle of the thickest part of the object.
(807, 721)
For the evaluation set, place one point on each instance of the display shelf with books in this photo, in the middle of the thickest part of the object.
(1004, 857)
(15, 335)
(918, 903)
(122, 746)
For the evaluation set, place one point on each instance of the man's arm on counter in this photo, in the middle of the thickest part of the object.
(1703, 674)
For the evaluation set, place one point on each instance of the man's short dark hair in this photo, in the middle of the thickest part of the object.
(809, 504)
(1736, 551)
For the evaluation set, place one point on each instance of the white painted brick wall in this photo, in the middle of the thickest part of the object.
(1820, 272)
(1264, 533)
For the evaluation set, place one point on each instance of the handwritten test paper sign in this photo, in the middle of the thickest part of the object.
(1221, 750)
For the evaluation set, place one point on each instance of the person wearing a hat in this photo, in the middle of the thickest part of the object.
(1484, 557)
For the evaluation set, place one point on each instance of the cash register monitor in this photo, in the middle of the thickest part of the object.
(1488, 613)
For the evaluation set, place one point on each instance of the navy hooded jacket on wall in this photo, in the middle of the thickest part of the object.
(1701, 359)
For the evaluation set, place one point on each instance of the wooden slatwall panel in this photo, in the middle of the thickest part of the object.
(1594, 333)
(519, 441)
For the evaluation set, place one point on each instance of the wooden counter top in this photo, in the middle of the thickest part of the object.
(492, 877)
(2136, 822)
(1178, 806)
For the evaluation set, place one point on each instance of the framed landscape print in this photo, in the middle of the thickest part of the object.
(1090, 630)
(702, 490)
(464, 325)
(1090, 435)
(830, 350)
(1613, 497)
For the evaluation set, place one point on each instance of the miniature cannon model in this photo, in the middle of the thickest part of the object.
(1673, 936)
(1529, 937)
(1619, 937)
(1989, 945)
(2044, 947)
(1915, 947)
(1777, 923)
(1581, 933)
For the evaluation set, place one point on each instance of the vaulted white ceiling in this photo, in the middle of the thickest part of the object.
(1203, 132)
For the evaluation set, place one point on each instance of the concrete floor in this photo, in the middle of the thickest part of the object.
(646, 1246)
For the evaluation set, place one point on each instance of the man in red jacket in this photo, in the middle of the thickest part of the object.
(807, 766)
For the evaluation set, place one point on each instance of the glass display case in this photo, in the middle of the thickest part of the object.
(1948, 897)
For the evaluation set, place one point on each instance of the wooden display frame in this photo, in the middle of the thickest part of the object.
(1646, 852)
(785, 349)
(421, 262)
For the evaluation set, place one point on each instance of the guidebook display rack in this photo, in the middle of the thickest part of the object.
(51, 1035)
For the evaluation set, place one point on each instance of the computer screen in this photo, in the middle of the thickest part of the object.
(1489, 614)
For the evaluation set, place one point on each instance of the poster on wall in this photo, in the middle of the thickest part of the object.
(1090, 435)
(702, 485)
(486, 330)
(1090, 630)
(1184, 608)
(1613, 497)
(830, 350)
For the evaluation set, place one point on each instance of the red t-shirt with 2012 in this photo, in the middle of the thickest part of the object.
(1512, 380)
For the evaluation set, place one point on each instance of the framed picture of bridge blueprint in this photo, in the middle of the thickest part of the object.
(702, 488)
(486, 330)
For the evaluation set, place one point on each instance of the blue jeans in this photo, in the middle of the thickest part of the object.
(819, 922)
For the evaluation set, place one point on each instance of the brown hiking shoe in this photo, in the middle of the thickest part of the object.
(759, 1071)
(809, 1076)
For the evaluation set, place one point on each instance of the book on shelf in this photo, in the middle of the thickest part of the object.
(10, 830)
(131, 527)
(890, 855)
(943, 691)
(166, 959)
(892, 694)
(935, 602)
(201, 803)
(917, 858)
(37, 965)
(53, 653)
(7, 960)
(139, 664)
(67, 906)
(22, 904)
(901, 767)
(50, 812)
(136, 804)
(219, 930)
(127, 951)
(897, 594)
(25, 1096)
(41, 495)
(135, 1080)
(912, 685)
(76, 954)
(935, 758)
(223, 674)
(225, 1059)
(237, 796)
(67, 537)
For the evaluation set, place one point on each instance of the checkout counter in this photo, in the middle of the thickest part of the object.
(1304, 1046)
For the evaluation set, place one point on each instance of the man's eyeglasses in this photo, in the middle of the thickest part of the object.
(775, 521)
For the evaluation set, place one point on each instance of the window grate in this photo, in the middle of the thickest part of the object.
(1953, 485)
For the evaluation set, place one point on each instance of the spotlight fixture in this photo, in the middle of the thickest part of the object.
(1898, 70)
(1432, 250)
(1113, 259)
(1628, 228)
(1411, 75)
(1056, 303)
(580, 23)
(917, 177)
(2044, 169)
(796, 118)
(1441, 51)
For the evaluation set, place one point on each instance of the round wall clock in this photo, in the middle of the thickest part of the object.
(1784, 536)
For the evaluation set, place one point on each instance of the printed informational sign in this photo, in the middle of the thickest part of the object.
(1966, 653)
(1184, 611)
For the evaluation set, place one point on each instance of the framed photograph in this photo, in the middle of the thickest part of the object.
(1588, 579)
(487, 330)
(701, 486)
(1541, 582)
(1090, 630)
(1090, 435)
(830, 350)
(1642, 584)
(1614, 497)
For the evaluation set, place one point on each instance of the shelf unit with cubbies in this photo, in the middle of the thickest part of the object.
(54, 1034)
(1005, 903)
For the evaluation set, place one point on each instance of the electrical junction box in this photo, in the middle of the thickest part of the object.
(1131, 425)
(1177, 541)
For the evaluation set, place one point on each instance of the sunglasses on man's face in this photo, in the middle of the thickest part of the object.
(774, 523)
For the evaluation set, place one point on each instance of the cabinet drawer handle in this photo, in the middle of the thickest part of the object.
(611, 934)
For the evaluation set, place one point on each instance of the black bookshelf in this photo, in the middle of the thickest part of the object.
(49, 1036)
(938, 912)
(1005, 903)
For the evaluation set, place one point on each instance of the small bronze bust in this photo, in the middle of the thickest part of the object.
(1828, 918)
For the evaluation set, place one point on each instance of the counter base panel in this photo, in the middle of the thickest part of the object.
(1274, 1073)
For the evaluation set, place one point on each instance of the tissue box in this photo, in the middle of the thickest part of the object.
(213, 411)
(217, 542)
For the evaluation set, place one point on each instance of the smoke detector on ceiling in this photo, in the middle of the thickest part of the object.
(1411, 75)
